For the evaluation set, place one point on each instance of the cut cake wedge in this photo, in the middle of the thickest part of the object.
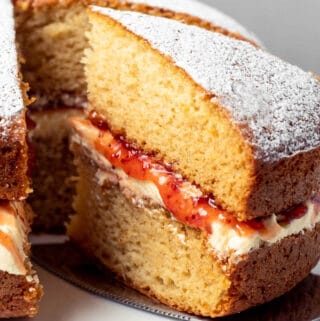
(198, 164)
(236, 121)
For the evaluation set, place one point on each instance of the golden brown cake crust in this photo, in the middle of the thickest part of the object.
(14, 181)
(18, 297)
(296, 254)
(283, 184)
(255, 278)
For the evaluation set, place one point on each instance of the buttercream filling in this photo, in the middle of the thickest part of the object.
(225, 234)
(225, 239)
(12, 239)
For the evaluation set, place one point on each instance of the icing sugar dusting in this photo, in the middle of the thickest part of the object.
(275, 105)
(11, 101)
(203, 11)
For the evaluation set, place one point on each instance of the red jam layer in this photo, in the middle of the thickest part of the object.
(198, 212)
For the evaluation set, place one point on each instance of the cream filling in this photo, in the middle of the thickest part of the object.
(10, 262)
(224, 239)
(139, 192)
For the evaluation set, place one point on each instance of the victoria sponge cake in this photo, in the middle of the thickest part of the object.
(172, 148)
(198, 164)
(58, 82)
(237, 121)
(19, 286)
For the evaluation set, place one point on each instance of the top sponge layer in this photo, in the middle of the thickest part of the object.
(275, 104)
(235, 120)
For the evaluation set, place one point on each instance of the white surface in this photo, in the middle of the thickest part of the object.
(64, 302)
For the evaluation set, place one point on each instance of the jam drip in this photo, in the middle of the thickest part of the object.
(195, 211)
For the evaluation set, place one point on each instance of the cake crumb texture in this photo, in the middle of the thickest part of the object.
(135, 241)
(46, 26)
(18, 297)
(220, 141)
(54, 172)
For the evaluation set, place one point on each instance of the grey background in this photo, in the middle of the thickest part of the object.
(289, 28)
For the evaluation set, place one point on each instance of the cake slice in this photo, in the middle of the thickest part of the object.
(190, 114)
(236, 121)
(14, 181)
(19, 287)
(57, 80)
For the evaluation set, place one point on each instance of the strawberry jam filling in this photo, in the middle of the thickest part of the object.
(195, 211)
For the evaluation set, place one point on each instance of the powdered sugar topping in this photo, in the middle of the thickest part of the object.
(203, 11)
(275, 105)
(11, 101)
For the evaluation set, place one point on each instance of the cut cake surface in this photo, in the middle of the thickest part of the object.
(57, 79)
(169, 261)
(240, 123)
